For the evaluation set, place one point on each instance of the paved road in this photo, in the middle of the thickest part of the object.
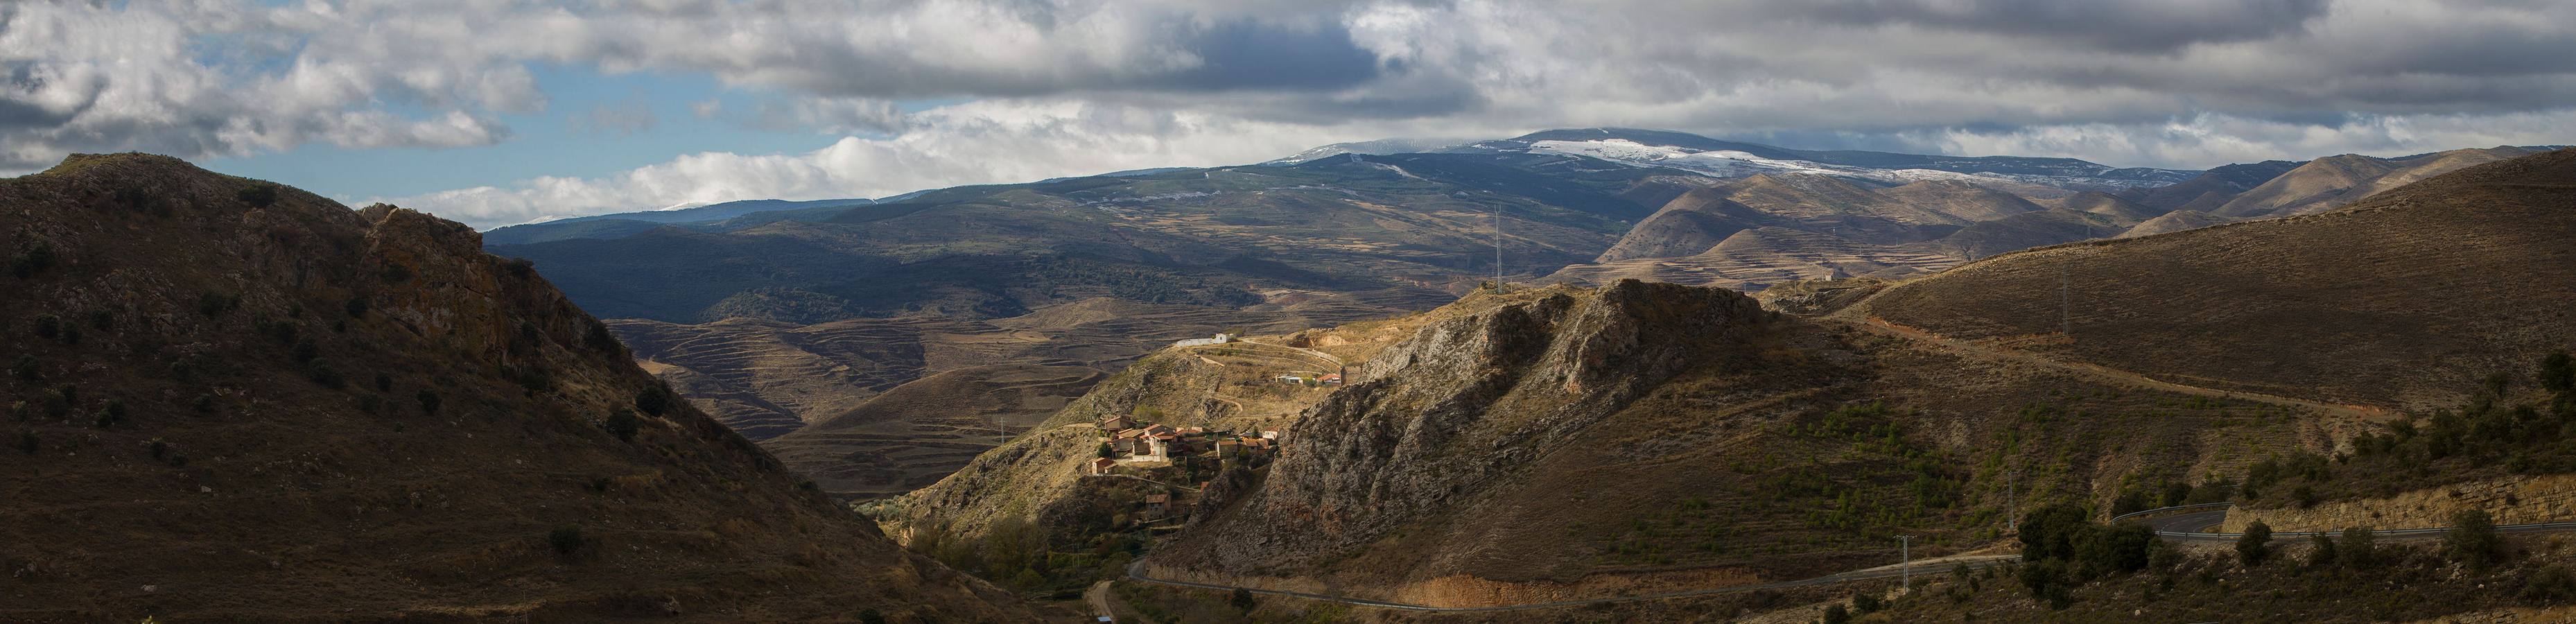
(2177, 525)
(1927, 567)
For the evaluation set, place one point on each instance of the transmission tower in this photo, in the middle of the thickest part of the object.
(1498, 247)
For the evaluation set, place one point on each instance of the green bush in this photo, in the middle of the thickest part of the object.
(1866, 603)
(27, 442)
(2357, 549)
(871, 616)
(598, 338)
(356, 307)
(205, 404)
(566, 541)
(384, 382)
(102, 320)
(653, 399)
(258, 194)
(27, 368)
(1836, 614)
(49, 327)
(2558, 372)
(32, 261)
(623, 424)
(2551, 585)
(110, 414)
(321, 372)
(214, 304)
(2323, 553)
(428, 401)
(2256, 544)
(2472, 540)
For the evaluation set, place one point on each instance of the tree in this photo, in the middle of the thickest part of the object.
(2256, 544)
(1836, 614)
(654, 399)
(623, 424)
(2472, 539)
(2558, 373)
(2356, 549)
(2049, 532)
(258, 194)
(1242, 600)
(2324, 553)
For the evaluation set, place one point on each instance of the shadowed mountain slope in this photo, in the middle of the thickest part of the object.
(235, 401)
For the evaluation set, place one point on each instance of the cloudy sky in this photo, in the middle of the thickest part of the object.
(495, 112)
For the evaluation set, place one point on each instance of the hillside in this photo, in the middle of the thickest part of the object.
(234, 401)
(1571, 443)
(2400, 301)
(2336, 181)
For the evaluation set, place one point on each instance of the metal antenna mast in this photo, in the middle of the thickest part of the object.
(1905, 555)
(1498, 247)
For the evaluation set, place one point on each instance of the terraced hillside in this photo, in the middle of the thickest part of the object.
(234, 401)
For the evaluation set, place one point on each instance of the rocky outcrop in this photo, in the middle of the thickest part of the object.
(1466, 402)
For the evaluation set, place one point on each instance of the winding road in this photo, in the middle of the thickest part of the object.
(1928, 566)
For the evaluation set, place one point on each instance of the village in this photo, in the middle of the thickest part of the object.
(1154, 452)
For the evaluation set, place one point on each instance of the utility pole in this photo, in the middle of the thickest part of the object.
(2012, 505)
(1905, 557)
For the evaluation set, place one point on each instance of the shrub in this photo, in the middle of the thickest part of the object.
(305, 350)
(2256, 544)
(214, 304)
(566, 541)
(1866, 603)
(871, 616)
(49, 327)
(2357, 549)
(2553, 584)
(428, 401)
(110, 414)
(159, 448)
(356, 307)
(258, 194)
(27, 368)
(27, 442)
(2049, 532)
(1836, 614)
(598, 338)
(518, 267)
(2558, 373)
(623, 424)
(384, 382)
(2117, 549)
(2324, 553)
(102, 320)
(654, 399)
(1242, 600)
(2472, 539)
(321, 372)
(32, 261)
(205, 404)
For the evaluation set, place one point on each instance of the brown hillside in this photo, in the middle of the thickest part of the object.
(2336, 181)
(234, 401)
(2399, 301)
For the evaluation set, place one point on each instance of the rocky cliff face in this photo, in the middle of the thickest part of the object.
(1470, 400)
(234, 401)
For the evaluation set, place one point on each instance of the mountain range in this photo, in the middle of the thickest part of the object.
(778, 317)
(1571, 443)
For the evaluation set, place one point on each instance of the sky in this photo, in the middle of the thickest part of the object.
(495, 112)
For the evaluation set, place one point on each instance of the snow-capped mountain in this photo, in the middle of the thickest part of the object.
(1735, 159)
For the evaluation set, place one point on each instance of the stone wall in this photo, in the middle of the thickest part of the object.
(2512, 500)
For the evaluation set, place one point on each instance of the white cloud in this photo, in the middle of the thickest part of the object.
(991, 141)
